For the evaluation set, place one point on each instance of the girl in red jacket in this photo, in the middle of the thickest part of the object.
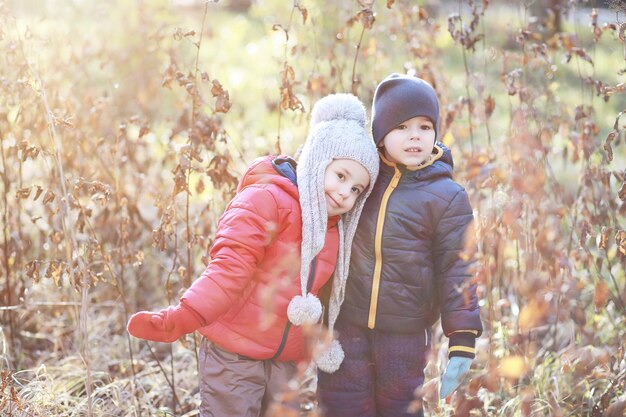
(282, 237)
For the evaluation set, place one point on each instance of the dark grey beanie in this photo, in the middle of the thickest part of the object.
(399, 98)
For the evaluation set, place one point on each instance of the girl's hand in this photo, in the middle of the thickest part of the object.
(167, 325)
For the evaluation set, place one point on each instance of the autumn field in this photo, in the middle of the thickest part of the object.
(125, 127)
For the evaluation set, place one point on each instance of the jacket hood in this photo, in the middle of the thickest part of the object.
(278, 170)
(271, 170)
(286, 167)
(440, 166)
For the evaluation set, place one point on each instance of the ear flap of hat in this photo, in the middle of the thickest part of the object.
(337, 132)
(306, 308)
(330, 359)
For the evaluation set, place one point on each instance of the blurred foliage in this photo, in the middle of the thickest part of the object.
(125, 125)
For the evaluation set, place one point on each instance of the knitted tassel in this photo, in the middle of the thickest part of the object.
(304, 309)
(330, 360)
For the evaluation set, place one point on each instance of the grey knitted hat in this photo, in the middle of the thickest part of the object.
(337, 131)
(399, 98)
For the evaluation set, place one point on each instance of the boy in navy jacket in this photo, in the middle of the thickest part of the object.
(406, 269)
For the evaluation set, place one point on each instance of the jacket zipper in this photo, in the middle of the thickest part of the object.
(309, 284)
(378, 250)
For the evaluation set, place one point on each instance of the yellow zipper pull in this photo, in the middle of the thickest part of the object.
(396, 178)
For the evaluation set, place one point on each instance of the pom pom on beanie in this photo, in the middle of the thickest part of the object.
(344, 107)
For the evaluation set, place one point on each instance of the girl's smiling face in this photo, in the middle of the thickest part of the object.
(344, 181)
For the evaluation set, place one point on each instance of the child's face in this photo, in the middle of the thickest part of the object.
(344, 181)
(411, 142)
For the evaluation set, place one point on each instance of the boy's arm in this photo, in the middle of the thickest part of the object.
(243, 233)
(460, 317)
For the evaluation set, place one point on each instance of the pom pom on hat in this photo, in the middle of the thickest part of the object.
(304, 309)
(330, 360)
(342, 107)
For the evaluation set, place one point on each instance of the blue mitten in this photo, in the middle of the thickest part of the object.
(457, 367)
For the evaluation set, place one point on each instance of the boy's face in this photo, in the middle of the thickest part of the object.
(344, 181)
(411, 142)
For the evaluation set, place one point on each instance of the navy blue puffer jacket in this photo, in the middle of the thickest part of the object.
(406, 266)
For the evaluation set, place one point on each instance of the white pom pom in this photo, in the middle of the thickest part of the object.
(338, 107)
(304, 310)
(330, 360)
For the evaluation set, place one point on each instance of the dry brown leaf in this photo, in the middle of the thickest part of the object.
(487, 379)
(304, 12)
(48, 197)
(23, 193)
(604, 237)
(464, 405)
(490, 105)
(620, 240)
(600, 294)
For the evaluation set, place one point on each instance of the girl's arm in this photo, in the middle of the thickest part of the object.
(244, 231)
(243, 234)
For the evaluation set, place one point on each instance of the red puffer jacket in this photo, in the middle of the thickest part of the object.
(255, 268)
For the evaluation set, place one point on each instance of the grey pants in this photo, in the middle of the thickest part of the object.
(233, 385)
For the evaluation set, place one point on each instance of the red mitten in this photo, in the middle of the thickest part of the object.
(167, 325)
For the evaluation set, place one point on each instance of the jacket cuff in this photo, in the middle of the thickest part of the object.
(462, 343)
(187, 317)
